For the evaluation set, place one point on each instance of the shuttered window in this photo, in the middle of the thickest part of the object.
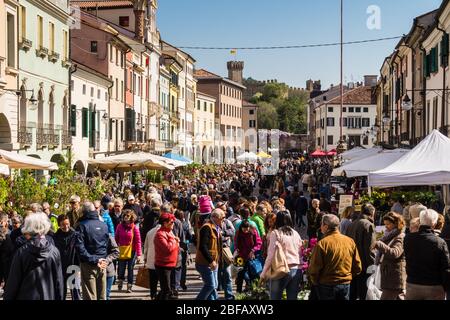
(73, 120)
(445, 49)
(84, 122)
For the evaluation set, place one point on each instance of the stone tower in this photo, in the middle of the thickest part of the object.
(235, 69)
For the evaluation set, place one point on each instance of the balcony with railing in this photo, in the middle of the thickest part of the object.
(25, 136)
(66, 138)
(47, 136)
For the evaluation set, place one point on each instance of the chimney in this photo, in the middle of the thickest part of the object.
(370, 80)
(235, 69)
(139, 17)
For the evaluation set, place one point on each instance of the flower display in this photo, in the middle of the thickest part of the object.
(239, 262)
(307, 252)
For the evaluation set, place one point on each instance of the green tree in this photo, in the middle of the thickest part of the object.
(267, 116)
(274, 91)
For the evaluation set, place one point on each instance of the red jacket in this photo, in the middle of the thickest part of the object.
(166, 248)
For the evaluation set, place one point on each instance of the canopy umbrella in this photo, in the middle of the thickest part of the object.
(318, 153)
(427, 164)
(178, 157)
(362, 167)
(332, 152)
(247, 156)
(131, 162)
(263, 155)
(19, 161)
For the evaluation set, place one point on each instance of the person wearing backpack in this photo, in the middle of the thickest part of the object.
(290, 243)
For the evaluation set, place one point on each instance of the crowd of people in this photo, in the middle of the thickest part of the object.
(243, 226)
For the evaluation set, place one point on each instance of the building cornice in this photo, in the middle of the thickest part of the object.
(53, 10)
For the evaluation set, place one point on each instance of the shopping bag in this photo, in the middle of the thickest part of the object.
(227, 256)
(255, 268)
(143, 278)
(279, 267)
(373, 285)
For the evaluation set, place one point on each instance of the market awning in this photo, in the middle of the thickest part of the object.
(263, 155)
(318, 153)
(427, 164)
(247, 156)
(131, 162)
(362, 167)
(18, 161)
(177, 157)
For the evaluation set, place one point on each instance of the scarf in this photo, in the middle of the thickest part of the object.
(387, 237)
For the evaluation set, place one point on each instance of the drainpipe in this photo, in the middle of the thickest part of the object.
(109, 118)
(396, 107)
(444, 100)
(72, 70)
(424, 95)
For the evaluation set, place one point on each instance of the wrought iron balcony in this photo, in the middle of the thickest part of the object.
(47, 137)
(66, 139)
(25, 136)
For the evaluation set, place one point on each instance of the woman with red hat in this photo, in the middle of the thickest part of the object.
(166, 253)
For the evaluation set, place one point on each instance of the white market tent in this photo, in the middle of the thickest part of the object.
(360, 154)
(427, 164)
(132, 162)
(19, 161)
(247, 156)
(347, 154)
(378, 161)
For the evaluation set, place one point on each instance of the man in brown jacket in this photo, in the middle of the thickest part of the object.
(209, 252)
(334, 262)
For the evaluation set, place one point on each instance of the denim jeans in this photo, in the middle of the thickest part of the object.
(129, 264)
(226, 281)
(175, 278)
(210, 282)
(291, 283)
(109, 283)
(242, 275)
(337, 292)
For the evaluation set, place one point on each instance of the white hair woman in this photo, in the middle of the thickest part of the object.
(37, 272)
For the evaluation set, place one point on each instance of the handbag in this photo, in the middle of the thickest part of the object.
(143, 278)
(255, 268)
(279, 268)
(125, 252)
(227, 256)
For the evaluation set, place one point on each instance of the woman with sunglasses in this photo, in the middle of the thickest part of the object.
(127, 234)
(166, 253)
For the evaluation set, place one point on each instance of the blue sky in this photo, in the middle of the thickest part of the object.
(239, 23)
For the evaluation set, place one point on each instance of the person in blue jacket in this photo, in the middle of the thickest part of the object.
(104, 216)
(93, 245)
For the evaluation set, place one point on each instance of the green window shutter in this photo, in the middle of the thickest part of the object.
(434, 60)
(73, 120)
(428, 65)
(445, 49)
(84, 122)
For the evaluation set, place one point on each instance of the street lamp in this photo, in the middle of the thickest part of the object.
(386, 119)
(407, 105)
